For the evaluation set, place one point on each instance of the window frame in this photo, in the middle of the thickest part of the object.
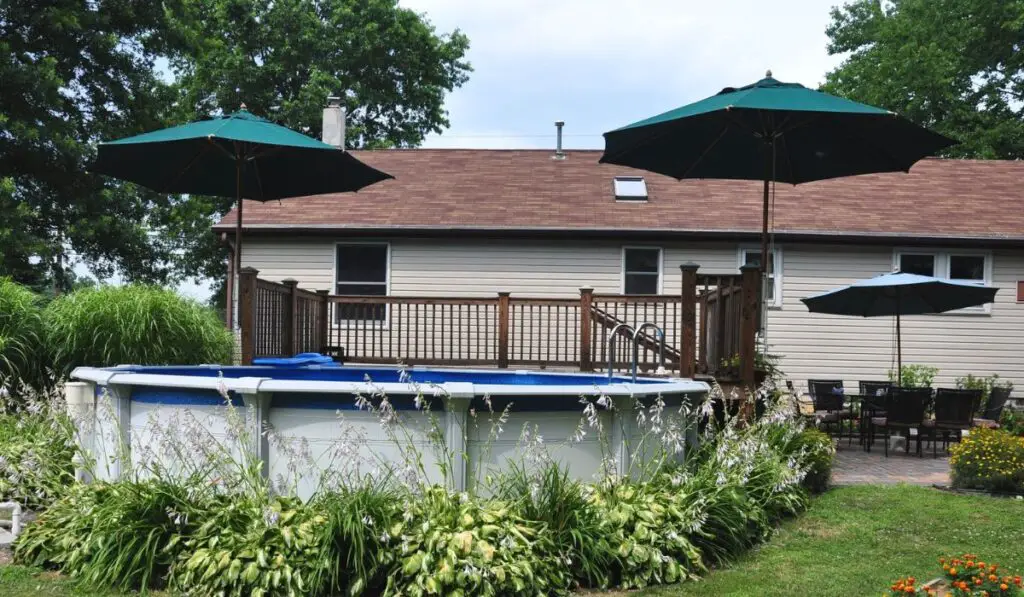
(776, 275)
(942, 266)
(622, 266)
(349, 323)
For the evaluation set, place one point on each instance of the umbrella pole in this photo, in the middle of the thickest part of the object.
(899, 344)
(238, 243)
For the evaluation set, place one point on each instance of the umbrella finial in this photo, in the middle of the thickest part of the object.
(768, 73)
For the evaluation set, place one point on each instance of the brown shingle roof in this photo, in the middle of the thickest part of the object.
(523, 190)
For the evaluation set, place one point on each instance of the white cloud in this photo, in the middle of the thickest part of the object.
(599, 64)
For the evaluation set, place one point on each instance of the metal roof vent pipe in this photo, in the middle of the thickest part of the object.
(559, 154)
(334, 123)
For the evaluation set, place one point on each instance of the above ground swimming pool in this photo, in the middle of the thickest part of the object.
(316, 406)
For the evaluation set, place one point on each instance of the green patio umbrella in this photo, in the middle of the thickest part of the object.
(771, 131)
(237, 155)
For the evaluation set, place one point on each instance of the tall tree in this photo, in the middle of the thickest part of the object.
(283, 58)
(74, 73)
(956, 66)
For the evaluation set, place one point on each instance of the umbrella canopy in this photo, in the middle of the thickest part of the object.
(900, 294)
(237, 155)
(771, 131)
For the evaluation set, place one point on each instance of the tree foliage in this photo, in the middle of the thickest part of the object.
(75, 73)
(956, 66)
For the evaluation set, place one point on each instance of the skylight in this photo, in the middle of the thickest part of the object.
(630, 188)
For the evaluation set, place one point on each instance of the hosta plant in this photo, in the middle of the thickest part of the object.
(457, 545)
(253, 547)
(649, 527)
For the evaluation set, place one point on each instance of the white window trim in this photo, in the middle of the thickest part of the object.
(942, 264)
(353, 323)
(777, 273)
(661, 266)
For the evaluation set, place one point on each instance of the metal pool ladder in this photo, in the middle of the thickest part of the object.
(636, 346)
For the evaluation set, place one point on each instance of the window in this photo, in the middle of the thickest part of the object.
(961, 266)
(773, 285)
(641, 270)
(361, 269)
(630, 188)
(967, 268)
(921, 264)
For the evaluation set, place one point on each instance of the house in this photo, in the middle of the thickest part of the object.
(471, 223)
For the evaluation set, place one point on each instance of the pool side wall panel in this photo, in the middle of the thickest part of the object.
(298, 431)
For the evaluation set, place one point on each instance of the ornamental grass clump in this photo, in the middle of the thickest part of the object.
(22, 360)
(135, 324)
(990, 460)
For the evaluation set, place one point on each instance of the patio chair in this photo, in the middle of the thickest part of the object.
(875, 388)
(997, 399)
(905, 409)
(829, 404)
(954, 411)
(872, 395)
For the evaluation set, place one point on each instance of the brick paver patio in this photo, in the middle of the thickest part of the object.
(854, 466)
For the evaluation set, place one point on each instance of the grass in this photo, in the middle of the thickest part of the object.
(853, 541)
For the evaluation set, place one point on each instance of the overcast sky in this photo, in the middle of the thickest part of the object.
(600, 64)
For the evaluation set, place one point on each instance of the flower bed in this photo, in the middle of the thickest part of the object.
(990, 460)
(964, 576)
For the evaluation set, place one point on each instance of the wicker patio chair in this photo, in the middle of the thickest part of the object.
(997, 399)
(954, 413)
(905, 410)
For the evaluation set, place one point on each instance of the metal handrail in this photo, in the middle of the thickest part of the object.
(611, 348)
(636, 346)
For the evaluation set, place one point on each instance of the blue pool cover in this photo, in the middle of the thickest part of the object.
(333, 372)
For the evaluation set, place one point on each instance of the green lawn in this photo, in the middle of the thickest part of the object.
(853, 541)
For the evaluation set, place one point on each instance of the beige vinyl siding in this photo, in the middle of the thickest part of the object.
(812, 345)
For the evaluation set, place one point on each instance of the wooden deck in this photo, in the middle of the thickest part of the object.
(712, 320)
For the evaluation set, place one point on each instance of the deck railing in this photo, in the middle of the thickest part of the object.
(710, 323)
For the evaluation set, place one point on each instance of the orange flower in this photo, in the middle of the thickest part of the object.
(992, 577)
(977, 581)
(952, 571)
(909, 589)
(1003, 587)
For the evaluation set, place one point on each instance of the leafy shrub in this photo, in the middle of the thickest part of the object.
(123, 535)
(916, 376)
(816, 452)
(1012, 422)
(457, 545)
(989, 459)
(36, 451)
(985, 384)
(549, 495)
(21, 333)
(247, 546)
(145, 325)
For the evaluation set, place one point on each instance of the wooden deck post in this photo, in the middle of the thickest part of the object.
(586, 328)
(321, 322)
(247, 312)
(503, 313)
(751, 306)
(688, 325)
(289, 317)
